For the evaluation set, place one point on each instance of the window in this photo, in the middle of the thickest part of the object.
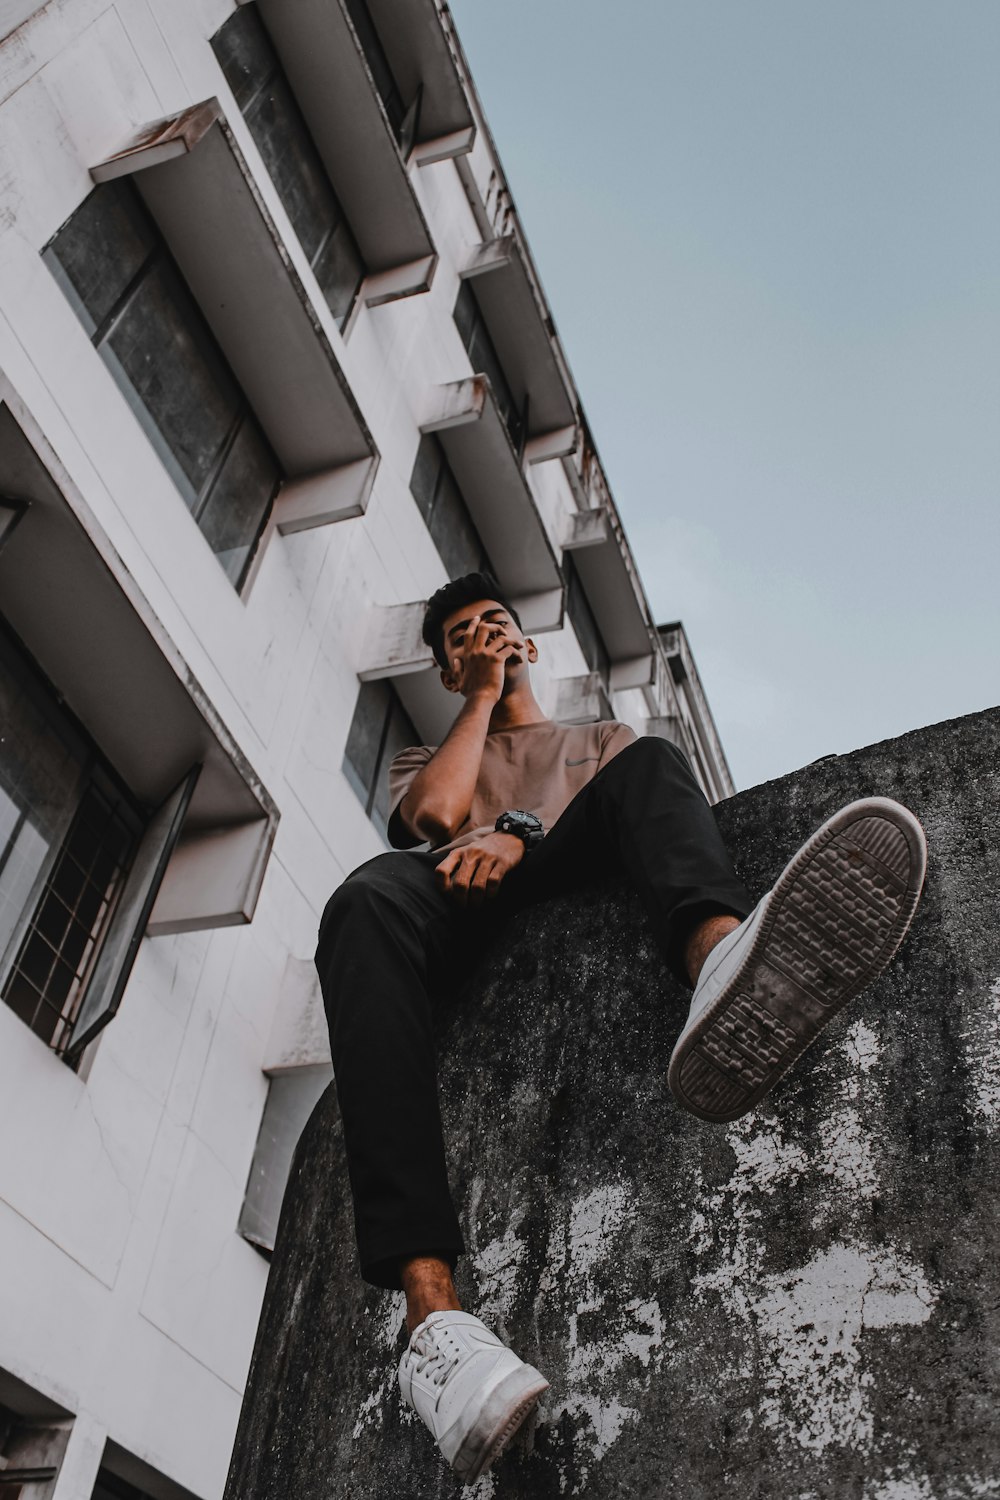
(595, 653)
(127, 291)
(110, 1487)
(486, 361)
(440, 502)
(80, 864)
(378, 63)
(67, 832)
(31, 1447)
(381, 727)
(254, 73)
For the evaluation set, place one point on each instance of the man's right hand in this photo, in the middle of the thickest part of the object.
(478, 667)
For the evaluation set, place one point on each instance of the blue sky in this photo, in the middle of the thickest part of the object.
(769, 231)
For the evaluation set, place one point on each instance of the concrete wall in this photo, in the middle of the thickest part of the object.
(800, 1306)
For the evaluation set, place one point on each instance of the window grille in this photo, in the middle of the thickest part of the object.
(253, 71)
(485, 360)
(595, 652)
(439, 500)
(49, 975)
(380, 728)
(124, 285)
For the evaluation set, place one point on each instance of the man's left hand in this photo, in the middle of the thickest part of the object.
(473, 873)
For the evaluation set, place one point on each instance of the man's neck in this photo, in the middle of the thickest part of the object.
(516, 709)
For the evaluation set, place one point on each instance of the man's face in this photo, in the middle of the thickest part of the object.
(456, 629)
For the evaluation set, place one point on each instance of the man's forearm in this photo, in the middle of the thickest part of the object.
(439, 798)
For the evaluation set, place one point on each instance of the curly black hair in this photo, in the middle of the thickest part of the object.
(468, 589)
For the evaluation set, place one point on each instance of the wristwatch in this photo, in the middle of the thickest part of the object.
(523, 825)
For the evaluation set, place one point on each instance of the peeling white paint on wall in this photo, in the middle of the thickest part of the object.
(763, 1157)
(812, 1321)
(578, 1244)
(983, 1051)
(593, 1221)
(497, 1267)
(908, 1487)
(390, 1318)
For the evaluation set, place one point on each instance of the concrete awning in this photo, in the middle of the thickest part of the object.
(467, 420)
(518, 325)
(607, 569)
(329, 74)
(614, 593)
(195, 183)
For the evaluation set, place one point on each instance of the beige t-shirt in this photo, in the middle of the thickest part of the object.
(536, 767)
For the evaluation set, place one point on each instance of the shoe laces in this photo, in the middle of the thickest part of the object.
(431, 1356)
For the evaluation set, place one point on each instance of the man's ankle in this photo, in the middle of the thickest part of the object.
(429, 1288)
(703, 939)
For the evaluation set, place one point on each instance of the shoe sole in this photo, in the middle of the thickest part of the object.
(503, 1413)
(833, 921)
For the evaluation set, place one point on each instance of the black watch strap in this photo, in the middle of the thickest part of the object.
(526, 826)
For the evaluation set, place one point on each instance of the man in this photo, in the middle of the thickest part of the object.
(516, 808)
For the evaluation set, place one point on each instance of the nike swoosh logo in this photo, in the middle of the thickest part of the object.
(583, 760)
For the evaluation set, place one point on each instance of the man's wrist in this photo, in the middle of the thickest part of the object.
(482, 700)
(526, 826)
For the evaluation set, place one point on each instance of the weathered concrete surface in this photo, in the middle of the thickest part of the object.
(800, 1307)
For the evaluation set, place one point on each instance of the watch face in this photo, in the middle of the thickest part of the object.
(525, 825)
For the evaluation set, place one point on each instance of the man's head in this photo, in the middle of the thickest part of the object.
(454, 605)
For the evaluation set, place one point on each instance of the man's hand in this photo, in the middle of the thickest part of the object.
(473, 873)
(478, 668)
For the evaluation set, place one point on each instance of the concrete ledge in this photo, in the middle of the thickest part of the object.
(804, 1304)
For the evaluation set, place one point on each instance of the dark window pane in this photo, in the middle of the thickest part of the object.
(36, 964)
(466, 313)
(364, 738)
(166, 360)
(76, 945)
(246, 54)
(340, 271)
(378, 63)
(53, 920)
(42, 762)
(401, 733)
(240, 499)
(253, 70)
(22, 997)
(110, 1487)
(425, 476)
(453, 531)
(293, 162)
(89, 902)
(101, 249)
(443, 508)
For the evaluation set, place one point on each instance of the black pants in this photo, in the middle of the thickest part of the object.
(390, 940)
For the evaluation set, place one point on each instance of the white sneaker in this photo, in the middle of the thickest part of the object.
(828, 927)
(469, 1388)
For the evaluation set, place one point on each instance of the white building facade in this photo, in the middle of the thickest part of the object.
(274, 364)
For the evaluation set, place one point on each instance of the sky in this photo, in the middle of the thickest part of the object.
(769, 233)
